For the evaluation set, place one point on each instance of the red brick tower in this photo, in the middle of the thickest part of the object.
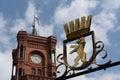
(34, 57)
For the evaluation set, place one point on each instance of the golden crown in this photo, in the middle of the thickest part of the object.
(77, 28)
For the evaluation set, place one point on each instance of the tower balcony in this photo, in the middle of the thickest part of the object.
(33, 77)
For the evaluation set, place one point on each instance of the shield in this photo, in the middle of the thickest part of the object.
(79, 49)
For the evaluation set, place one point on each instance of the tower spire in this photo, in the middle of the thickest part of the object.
(34, 32)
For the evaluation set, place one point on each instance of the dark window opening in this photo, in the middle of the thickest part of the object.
(54, 74)
(33, 71)
(49, 75)
(21, 51)
(21, 72)
(52, 56)
(39, 72)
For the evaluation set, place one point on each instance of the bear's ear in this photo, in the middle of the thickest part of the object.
(78, 41)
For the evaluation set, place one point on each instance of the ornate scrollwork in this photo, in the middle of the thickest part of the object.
(100, 49)
(61, 64)
(78, 32)
(97, 49)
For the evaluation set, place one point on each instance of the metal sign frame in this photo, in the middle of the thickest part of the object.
(79, 30)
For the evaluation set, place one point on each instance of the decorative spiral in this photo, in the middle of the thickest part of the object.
(100, 49)
(60, 57)
(68, 70)
(99, 46)
(60, 61)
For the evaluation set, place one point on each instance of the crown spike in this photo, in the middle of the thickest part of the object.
(78, 27)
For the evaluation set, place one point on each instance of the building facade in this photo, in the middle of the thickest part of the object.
(34, 57)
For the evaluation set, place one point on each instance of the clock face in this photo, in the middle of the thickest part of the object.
(36, 58)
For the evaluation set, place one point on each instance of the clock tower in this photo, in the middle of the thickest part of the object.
(34, 57)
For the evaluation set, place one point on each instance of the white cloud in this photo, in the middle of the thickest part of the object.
(77, 8)
(5, 53)
(2, 21)
(45, 30)
(46, 2)
(5, 65)
(29, 14)
(5, 40)
(26, 22)
(106, 76)
(19, 24)
(102, 23)
(110, 5)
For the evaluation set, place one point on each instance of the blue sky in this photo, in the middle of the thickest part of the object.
(19, 15)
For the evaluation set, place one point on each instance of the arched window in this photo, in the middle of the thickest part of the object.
(32, 71)
(53, 56)
(21, 51)
(14, 70)
(39, 72)
(54, 74)
(21, 72)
